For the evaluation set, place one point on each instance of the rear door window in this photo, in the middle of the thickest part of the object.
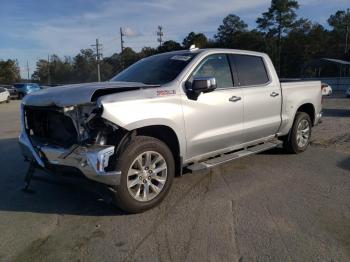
(250, 70)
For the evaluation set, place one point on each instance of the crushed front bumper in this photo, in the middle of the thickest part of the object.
(91, 161)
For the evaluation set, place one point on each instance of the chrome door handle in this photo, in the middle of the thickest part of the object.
(274, 94)
(234, 98)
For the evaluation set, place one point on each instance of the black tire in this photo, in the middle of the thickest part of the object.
(20, 96)
(8, 100)
(138, 145)
(291, 143)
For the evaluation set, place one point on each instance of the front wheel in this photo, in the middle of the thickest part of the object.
(148, 169)
(300, 134)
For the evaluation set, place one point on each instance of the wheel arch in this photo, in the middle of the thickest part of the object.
(309, 109)
(306, 107)
(167, 135)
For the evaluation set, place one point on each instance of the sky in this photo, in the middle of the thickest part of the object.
(32, 29)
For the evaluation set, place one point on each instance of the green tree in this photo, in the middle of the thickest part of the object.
(129, 57)
(340, 23)
(9, 72)
(84, 66)
(304, 43)
(147, 51)
(249, 40)
(57, 71)
(106, 71)
(41, 74)
(277, 21)
(228, 30)
(115, 63)
(168, 46)
(199, 40)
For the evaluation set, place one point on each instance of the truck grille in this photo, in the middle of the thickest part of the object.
(50, 125)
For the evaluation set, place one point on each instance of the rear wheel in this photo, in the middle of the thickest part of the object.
(300, 134)
(8, 100)
(148, 169)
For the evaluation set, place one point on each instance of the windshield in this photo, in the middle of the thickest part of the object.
(156, 70)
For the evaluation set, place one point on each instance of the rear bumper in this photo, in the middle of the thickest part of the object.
(318, 119)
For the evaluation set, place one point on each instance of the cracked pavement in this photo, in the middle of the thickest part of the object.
(269, 207)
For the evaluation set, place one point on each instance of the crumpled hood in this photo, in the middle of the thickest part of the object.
(69, 95)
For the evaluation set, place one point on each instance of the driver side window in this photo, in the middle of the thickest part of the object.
(215, 66)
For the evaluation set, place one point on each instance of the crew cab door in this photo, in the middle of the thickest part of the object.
(262, 97)
(214, 120)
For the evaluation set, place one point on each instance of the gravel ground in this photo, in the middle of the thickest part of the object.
(334, 132)
(269, 207)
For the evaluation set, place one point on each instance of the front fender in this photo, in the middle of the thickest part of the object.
(143, 112)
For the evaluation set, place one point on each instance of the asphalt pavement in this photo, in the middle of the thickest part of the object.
(268, 207)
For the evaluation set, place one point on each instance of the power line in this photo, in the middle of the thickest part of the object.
(98, 48)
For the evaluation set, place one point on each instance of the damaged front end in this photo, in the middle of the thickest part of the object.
(74, 136)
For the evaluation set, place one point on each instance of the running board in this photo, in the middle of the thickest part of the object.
(224, 158)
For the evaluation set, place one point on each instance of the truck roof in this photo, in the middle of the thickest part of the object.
(216, 50)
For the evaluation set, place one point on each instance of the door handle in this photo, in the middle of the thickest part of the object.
(274, 94)
(234, 98)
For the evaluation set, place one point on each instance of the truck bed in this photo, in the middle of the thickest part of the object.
(295, 94)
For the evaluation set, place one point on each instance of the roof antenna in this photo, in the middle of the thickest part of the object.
(193, 48)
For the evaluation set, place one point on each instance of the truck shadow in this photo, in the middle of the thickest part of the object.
(332, 112)
(51, 194)
(275, 151)
(344, 164)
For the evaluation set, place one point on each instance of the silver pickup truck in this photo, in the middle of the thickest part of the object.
(194, 108)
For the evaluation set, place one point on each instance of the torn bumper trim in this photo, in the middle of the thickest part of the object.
(91, 161)
(27, 149)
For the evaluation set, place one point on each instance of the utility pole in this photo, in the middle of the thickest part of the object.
(347, 30)
(27, 71)
(48, 71)
(121, 47)
(160, 35)
(121, 40)
(98, 56)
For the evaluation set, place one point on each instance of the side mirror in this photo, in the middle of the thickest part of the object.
(203, 84)
(200, 85)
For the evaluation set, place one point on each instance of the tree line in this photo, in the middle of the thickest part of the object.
(289, 40)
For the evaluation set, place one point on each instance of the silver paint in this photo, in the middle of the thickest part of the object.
(205, 127)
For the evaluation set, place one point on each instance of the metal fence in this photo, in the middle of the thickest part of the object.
(338, 84)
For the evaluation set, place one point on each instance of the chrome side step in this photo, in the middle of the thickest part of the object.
(224, 158)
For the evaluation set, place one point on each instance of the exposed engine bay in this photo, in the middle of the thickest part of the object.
(64, 127)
